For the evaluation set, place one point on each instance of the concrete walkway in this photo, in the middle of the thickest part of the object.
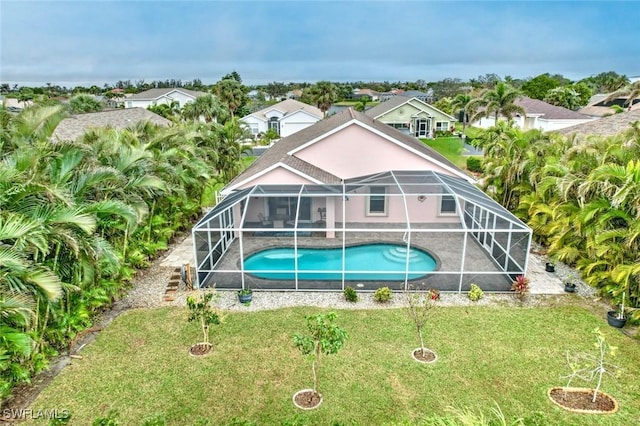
(542, 282)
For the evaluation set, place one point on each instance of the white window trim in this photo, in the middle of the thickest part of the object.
(441, 213)
(385, 213)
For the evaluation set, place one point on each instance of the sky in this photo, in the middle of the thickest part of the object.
(95, 42)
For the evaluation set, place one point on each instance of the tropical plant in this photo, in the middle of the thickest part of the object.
(77, 218)
(231, 93)
(324, 337)
(84, 103)
(461, 103)
(206, 107)
(324, 94)
(631, 92)
(520, 286)
(499, 102)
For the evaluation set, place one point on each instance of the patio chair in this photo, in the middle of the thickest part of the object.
(264, 221)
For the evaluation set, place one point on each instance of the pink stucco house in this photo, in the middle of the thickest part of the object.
(351, 201)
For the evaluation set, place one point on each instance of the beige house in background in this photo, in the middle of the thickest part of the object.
(411, 116)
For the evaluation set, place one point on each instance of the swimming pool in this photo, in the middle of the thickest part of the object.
(372, 262)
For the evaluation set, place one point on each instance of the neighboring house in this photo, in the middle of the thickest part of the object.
(294, 94)
(286, 118)
(411, 116)
(605, 126)
(597, 107)
(351, 184)
(427, 96)
(360, 93)
(539, 115)
(154, 97)
(74, 127)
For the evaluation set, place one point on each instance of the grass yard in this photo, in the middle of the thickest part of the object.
(140, 367)
(450, 148)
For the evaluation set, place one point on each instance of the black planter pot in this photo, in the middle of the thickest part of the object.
(550, 267)
(569, 287)
(245, 298)
(614, 321)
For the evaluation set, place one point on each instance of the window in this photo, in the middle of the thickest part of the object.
(400, 126)
(442, 125)
(254, 128)
(447, 205)
(377, 202)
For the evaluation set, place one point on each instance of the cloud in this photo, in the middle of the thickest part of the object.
(307, 41)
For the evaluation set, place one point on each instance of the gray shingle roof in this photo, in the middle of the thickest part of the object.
(394, 102)
(71, 128)
(279, 151)
(382, 107)
(605, 126)
(287, 107)
(151, 94)
(548, 111)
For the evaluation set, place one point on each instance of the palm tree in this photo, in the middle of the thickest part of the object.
(461, 103)
(207, 107)
(231, 93)
(630, 91)
(324, 94)
(84, 103)
(500, 102)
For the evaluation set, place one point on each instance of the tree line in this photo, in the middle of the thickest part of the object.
(579, 194)
(78, 218)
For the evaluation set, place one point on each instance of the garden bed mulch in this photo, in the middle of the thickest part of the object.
(580, 400)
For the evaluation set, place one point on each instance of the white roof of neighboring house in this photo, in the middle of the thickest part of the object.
(288, 107)
(74, 127)
(153, 94)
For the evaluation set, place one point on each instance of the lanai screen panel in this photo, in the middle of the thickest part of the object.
(313, 233)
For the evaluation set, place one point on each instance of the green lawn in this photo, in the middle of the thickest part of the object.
(450, 148)
(140, 367)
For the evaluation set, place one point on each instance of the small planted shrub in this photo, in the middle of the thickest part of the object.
(520, 286)
(435, 294)
(474, 164)
(350, 294)
(382, 295)
(475, 293)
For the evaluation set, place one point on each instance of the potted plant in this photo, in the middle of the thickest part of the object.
(550, 267)
(617, 318)
(570, 285)
(245, 295)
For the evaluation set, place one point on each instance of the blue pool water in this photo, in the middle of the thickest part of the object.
(378, 262)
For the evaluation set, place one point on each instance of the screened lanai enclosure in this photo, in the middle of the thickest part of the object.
(403, 230)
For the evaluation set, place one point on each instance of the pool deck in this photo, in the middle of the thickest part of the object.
(441, 245)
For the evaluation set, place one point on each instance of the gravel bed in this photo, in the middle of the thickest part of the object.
(150, 284)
